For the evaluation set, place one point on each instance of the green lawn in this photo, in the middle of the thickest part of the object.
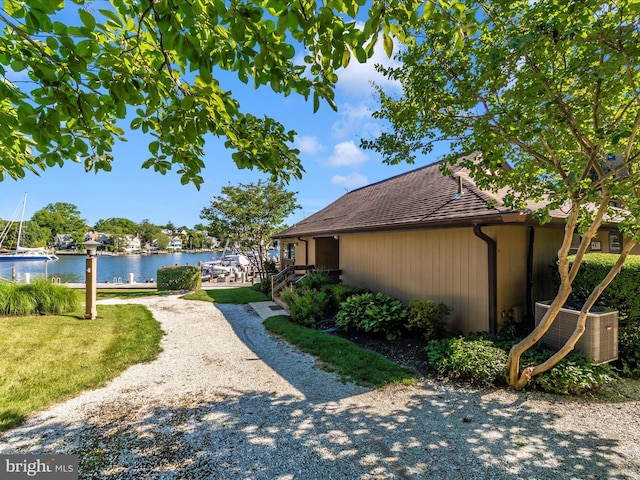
(46, 359)
(339, 355)
(238, 295)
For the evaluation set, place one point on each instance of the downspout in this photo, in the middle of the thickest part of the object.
(306, 250)
(492, 276)
(529, 298)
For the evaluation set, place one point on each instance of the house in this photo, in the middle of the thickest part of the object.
(63, 241)
(102, 238)
(175, 243)
(132, 243)
(423, 235)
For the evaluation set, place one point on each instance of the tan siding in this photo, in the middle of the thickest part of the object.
(511, 269)
(546, 245)
(447, 266)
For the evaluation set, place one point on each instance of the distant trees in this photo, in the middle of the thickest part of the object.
(116, 226)
(248, 215)
(65, 219)
(33, 235)
(61, 218)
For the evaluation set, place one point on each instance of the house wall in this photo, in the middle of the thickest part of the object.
(546, 245)
(447, 266)
(511, 269)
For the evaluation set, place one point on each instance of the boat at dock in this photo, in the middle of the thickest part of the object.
(23, 254)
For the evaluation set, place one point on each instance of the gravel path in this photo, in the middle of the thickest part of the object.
(224, 400)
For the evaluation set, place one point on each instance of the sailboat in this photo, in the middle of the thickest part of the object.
(22, 254)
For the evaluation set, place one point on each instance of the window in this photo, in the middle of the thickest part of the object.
(615, 245)
(290, 253)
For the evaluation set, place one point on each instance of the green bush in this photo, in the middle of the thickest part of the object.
(338, 293)
(38, 297)
(315, 280)
(622, 294)
(179, 278)
(427, 317)
(476, 361)
(629, 347)
(481, 359)
(574, 375)
(371, 313)
(307, 306)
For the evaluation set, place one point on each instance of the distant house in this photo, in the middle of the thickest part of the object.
(132, 243)
(425, 235)
(103, 238)
(175, 243)
(63, 241)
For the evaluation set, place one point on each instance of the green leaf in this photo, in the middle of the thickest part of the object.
(388, 45)
(87, 19)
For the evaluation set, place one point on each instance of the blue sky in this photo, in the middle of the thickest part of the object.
(328, 141)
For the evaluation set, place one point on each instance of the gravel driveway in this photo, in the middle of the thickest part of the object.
(224, 400)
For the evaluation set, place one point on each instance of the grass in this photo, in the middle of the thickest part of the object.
(48, 359)
(235, 296)
(341, 356)
(105, 293)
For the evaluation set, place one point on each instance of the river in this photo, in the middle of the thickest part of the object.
(110, 268)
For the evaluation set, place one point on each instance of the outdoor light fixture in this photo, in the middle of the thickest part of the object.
(91, 247)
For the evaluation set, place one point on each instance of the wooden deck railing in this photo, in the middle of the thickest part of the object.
(287, 276)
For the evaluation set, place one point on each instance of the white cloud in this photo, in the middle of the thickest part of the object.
(308, 145)
(351, 119)
(349, 182)
(356, 79)
(346, 154)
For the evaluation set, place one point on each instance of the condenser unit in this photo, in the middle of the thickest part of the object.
(599, 340)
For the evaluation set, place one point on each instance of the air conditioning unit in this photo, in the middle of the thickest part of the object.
(599, 340)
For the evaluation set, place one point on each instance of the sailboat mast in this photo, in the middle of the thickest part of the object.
(24, 205)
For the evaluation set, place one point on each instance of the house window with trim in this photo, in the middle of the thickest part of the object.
(290, 251)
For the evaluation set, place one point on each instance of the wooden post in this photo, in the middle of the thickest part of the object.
(90, 299)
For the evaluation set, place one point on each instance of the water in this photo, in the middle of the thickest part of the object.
(111, 269)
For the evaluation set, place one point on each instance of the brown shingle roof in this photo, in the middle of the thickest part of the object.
(420, 198)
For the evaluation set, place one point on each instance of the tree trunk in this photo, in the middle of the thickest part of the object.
(519, 379)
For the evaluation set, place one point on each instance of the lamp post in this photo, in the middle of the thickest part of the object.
(90, 283)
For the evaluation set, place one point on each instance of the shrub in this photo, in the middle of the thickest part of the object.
(428, 317)
(477, 361)
(315, 279)
(622, 294)
(38, 297)
(574, 375)
(179, 278)
(371, 313)
(338, 293)
(481, 359)
(306, 306)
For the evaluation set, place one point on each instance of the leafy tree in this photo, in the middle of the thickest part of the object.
(147, 231)
(162, 240)
(154, 63)
(248, 215)
(552, 88)
(61, 218)
(116, 226)
(33, 235)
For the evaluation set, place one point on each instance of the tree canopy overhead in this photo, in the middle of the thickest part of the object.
(553, 89)
(71, 73)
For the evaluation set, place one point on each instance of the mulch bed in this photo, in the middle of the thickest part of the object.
(407, 350)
